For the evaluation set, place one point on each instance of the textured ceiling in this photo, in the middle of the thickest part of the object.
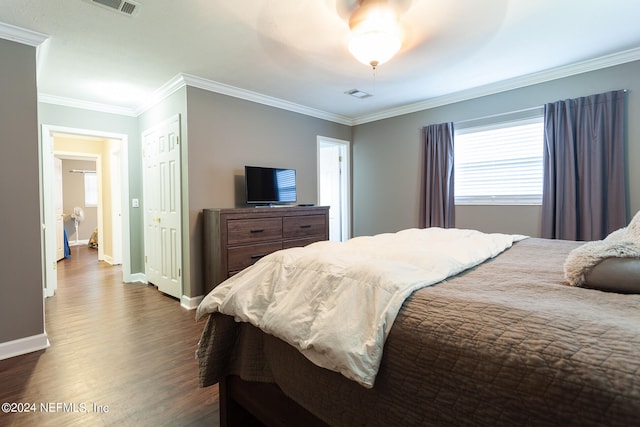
(296, 50)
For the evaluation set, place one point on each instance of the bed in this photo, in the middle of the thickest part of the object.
(505, 342)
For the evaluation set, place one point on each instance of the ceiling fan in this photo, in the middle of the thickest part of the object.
(376, 31)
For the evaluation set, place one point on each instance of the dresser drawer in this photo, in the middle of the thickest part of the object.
(303, 241)
(253, 230)
(303, 225)
(241, 257)
(236, 238)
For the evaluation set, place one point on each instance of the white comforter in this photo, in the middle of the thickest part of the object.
(336, 302)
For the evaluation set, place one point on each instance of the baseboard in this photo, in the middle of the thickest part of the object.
(23, 346)
(190, 303)
(136, 278)
(186, 302)
(79, 242)
(48, 292)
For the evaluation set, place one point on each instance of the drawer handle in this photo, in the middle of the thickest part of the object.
(306, 226)
(257, 230)
(258, 256)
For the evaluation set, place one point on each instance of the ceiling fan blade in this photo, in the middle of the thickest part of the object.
(346, 8)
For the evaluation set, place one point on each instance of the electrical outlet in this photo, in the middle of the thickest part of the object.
(135, 203)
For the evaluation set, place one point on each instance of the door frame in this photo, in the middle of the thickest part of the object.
(47, 203)
(59, 205)
(345, 149)
(97, 159)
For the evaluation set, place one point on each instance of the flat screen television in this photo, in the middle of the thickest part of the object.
(267, 186)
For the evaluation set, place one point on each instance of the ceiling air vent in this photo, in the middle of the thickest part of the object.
(358, 94)
(125, 7)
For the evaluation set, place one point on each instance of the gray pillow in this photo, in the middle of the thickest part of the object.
(614, 274)
(612, 264)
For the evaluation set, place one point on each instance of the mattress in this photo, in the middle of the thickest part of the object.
(505, 343)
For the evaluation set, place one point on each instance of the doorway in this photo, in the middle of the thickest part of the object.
(78, 201)
(84, 143)
(334, 177)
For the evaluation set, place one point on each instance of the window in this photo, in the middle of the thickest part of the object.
(90, 189)
(499, 164)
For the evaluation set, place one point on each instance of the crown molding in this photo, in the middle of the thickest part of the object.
(505, 85)
(182, 80)
(85, 105)
(20, 35)
(163, 92)
(248, 95)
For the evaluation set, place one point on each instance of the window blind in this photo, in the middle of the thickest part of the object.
(90, 190)
(499, 164)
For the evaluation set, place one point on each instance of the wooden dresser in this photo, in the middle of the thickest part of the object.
(236, 238)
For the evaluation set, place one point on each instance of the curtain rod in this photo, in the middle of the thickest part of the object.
(524, 110)
(81, 171)
(492, 116)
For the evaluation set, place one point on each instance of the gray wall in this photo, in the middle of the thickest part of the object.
(224, 135)
(21, 307)
(386, 155)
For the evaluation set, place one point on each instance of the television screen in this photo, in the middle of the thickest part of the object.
(270, 185)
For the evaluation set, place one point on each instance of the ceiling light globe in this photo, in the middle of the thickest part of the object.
(375, 33)
(374, 47)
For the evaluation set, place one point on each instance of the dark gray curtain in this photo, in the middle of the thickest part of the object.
(584, 193)
(437, 207)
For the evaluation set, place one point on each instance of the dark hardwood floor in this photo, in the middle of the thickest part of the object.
(121, 354)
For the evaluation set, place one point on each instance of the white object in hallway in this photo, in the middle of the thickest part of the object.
(78, 217)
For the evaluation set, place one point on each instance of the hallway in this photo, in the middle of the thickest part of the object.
(121, 354)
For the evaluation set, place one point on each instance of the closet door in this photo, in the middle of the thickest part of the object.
(162, 204)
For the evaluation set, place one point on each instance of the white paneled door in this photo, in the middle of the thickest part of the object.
(161, 201)
(333, 185)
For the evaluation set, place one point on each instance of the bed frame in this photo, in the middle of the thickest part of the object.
(256, 404)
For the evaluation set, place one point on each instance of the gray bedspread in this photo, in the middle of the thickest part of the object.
(506, 343)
